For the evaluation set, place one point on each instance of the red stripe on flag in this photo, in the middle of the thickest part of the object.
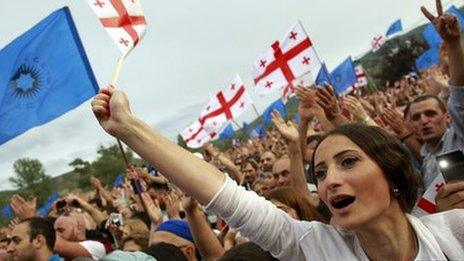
(122, 11)
(225, 107)
(426, 205)
(194, 135)
(282, 59)
(122, 21)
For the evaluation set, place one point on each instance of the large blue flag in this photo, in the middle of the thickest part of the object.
(323, 77)
(343, 76)
(277, 105)
(394, 28)
(44, 74)
(428, 58)
(227, 133)
(43, 211)
(7, 211)
(431, 36)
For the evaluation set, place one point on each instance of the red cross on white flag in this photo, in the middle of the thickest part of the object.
(427, 201)
(361, 78)
(123, 20)
(377, 42)
(228, 104)
(285, 61)
(196, 135)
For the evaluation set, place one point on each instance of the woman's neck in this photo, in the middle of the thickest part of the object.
(389, 237)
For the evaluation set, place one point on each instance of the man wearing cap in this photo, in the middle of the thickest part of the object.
(177, 233)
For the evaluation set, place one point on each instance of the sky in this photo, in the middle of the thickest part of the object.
(190, 51)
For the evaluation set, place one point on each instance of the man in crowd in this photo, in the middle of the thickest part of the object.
(281, 171)
(177, 233)
(71, 240)
(267, 160)
(32, 239)
(441, 130)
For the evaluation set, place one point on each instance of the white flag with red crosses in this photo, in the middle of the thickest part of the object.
(226, 104)
(427, 201)
(377, 42)
(285, 61)
(123, 20)
(196, 134)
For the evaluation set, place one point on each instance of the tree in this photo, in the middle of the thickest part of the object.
(109, 163)
(83, 169)
(31, 179)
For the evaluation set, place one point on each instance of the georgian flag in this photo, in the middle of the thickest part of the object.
(226, 104)
(427, 201)
(196, 134)
(123, 20)
(360, 76)
(377, 42)
(285, 61)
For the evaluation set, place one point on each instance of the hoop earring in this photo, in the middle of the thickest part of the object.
(396, 192)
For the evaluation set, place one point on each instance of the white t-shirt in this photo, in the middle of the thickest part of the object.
(289, 239)
(95, 248)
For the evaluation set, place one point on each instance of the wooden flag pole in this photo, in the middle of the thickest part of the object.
(257, 113)
(236, 124)
(116, 73)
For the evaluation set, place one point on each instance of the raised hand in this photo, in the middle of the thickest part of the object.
(189, 204)
(446, 25)
(111, 108)
(393, 119)
(288, 130)
(356, 108)
(23, 208)
(153, 208)
(95, 182)
(328, 101)
(308, 107)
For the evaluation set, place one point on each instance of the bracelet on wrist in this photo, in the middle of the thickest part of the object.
(402, 139)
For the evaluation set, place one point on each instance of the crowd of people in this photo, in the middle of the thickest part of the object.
(341, 184)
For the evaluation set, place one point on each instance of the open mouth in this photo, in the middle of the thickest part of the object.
(342, 201)
(426, 130)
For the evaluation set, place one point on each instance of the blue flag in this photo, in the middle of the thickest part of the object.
(43, 211)
(7, 211)
(118, 181)
(343, 76)
(428, 58)
(44, 74)
(394, 28)
(431, 36)
(258, 132)
(323, 77)
(277, 105)
(459, 15)
(227, 133)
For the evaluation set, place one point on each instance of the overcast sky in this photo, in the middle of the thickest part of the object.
(190, 51)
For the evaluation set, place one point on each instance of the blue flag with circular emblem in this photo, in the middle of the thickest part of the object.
(44, 74)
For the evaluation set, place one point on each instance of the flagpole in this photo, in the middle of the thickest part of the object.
(116, 73)
(236, 124)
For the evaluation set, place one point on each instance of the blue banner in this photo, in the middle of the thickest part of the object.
(428, 59)
(395, 28)
(323, 77)
(44, 74)
(227, 133)
(343, 76)
(277, 105)
(43, 211)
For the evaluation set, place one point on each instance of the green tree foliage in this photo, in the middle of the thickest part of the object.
(31, 179)
(109, 163)
(83, 170)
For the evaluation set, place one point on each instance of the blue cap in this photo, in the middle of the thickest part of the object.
(177, 227)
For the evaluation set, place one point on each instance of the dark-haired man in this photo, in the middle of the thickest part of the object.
(32, 239)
